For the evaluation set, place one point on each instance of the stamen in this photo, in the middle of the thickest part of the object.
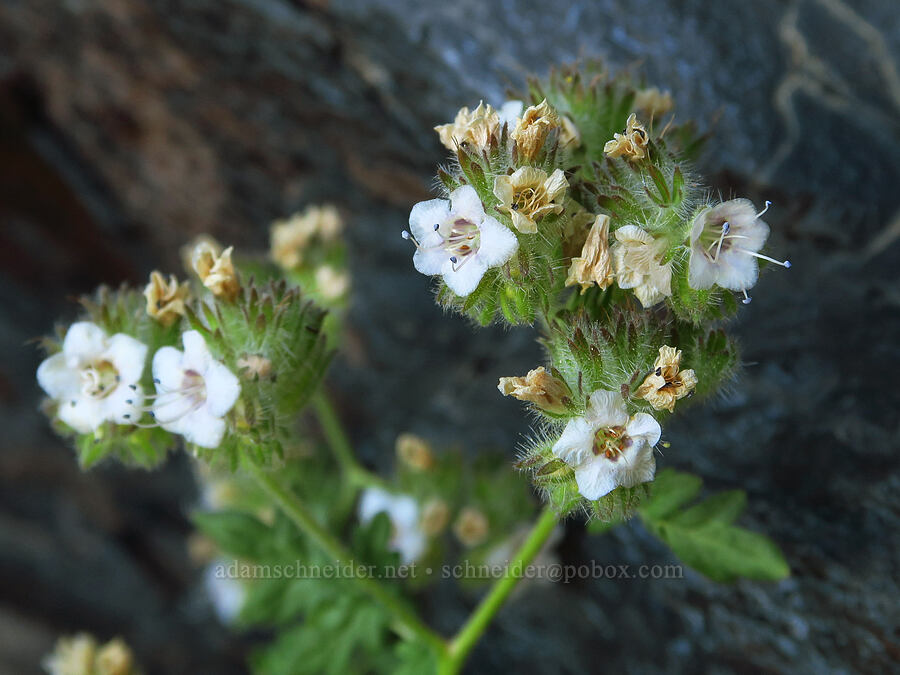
(747, 298)
(785, 263)
(768, 204)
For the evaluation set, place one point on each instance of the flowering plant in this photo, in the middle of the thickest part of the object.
(574, 210)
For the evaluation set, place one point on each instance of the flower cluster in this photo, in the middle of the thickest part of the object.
(569, 208)
(201, 363)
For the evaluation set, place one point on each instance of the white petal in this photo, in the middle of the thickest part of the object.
(556, 184)
(116, 405)
(429, 261)
(576, 443)
(756, 234)
(498, 243)
(222, 388)
(648, 294)
(606, 409)
(466, 279)
(642, 426)
(168, 368)
(57, 379)
(196, 353)
(702, 273)
(636, 466)
(596, 477)
(404, 512)
(425, 215)
(128, 356)
(85, 416)
(201, 428)
(372, 502)
(737, 271)
(503, 189)
(465, 203)
(632, 234)
(84, 340)
(410, 545)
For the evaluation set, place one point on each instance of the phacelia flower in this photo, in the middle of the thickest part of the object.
(471, 527)
(594, 266)
(632, 144)
(529, 194)
(456, 239)
(474, 128)
(653, 102)
(194, 391)
(407, 537)
(725, 243)
(290, 238)
(81, 655)
(165, 299)
(532, 130)
(95, 378)
(216, 270)
(415, 452)
(666, 383)
(637, 258)
(606, 448)
(539, 387)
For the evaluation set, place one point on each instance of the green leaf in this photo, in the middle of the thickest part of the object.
(726, 553)
(670, 490)
(237, 533)
(724, 507)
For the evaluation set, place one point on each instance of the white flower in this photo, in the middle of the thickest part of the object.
(606, 448)
(637, 258)
(95, 377)
(194, 391)
(454, 238)
(407, 537)
(725, 240)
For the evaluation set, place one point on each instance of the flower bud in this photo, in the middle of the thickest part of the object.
(471, 527)
(547, 392)
(415, 452)
(435, 516)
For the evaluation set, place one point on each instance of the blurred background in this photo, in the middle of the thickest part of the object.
(128, 127)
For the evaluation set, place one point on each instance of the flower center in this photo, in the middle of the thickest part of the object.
(526, 199)
(611, 442)
(461, 239)
(99, 379)
(715, 238)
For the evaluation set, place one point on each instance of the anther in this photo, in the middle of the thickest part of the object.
(747, 298)
(133, 387)
(768, 204)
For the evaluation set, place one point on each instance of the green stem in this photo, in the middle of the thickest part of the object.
(407, 624)
(481, 618)
(340, 446)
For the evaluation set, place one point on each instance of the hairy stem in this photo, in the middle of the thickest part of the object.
(406, 623)
(481, 618)
(340, 446)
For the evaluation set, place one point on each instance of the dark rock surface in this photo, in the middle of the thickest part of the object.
(128, 127)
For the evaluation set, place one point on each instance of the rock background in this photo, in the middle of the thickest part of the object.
(127, 127)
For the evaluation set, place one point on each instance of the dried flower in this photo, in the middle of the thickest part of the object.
(666, 383)
(569, 135)
(532, 130)
(115, 658)
(94, 378)
(474, 128)
(539, 387)
(456, 239)
(290, 238)
(254, 366)
(471, 527)
(637, 258)
(631, 144)
(81, 655)
(529, 194)
(332, 284)
(652, 102)
(194, 391)
(216, 270)
(415, 452)
(435, 516)
(725, 240)
(594, 266)
(606, 448)
(407, 537)
(165, 300)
